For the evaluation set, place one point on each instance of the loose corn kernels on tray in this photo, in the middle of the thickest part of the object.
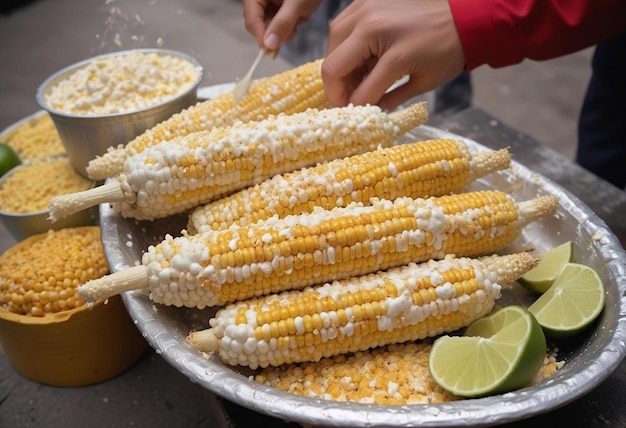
(396, 374)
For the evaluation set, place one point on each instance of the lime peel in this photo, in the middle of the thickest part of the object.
(540, 278)
(8, 158)
(572, 303)
(499, 353)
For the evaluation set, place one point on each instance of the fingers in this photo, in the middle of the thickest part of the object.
(355, 69)
(370, 83)
(352, 55)
(342, 71)
(382, 76)
(398, 62)
(400, 94)
(342, 25)
(289, 16)
(255, 14)
(283, 26)
(374, 43)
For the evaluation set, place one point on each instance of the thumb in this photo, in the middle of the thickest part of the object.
(283, 26)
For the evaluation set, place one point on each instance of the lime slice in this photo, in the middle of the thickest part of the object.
(574, 301)
(498, 353)
(550, 264)
(8, 158)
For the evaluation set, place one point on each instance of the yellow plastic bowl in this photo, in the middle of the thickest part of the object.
(76, 347)
(72, 348)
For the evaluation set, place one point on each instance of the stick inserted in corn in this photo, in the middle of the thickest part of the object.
(174, 176)
(289, 92)
(218, 267)
(411, 302)
(416, 170)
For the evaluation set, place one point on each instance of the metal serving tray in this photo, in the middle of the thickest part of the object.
(589, 359)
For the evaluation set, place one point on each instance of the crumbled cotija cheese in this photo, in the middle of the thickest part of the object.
(30, 187)
(123, 83)
(35, 138)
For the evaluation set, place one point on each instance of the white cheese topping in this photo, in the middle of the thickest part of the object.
(123, 83)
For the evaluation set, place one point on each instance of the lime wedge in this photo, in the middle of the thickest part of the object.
(8, 158)
(550, 264)
(574, 301)
(497, 354)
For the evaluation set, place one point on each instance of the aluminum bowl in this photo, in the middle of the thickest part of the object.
(589, 358)
(86, 137)
(47, 146)
(23, 225)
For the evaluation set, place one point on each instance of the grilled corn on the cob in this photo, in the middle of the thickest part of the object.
(274, 255)
(289, 92)
(174, 176)
(417, 170)
(407, 303)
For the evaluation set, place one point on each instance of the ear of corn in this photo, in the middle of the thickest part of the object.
(416, 170)
(176, 175)
(270, 256)
(407, 303)
(289, 92)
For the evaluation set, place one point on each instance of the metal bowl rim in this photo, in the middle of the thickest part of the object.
(41, 89)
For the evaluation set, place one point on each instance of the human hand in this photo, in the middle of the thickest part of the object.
(281, 16)
(374, 43)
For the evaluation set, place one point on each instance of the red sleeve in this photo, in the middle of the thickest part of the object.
(505, 32)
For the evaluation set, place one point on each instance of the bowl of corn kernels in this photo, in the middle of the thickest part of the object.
(107, 100)
(48, 333)
(43, 170)
(26, 189)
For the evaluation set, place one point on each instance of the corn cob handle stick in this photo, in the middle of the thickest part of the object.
(289, 92)
(174, 176)
(220, 267)
(416, 170)
(411, 302)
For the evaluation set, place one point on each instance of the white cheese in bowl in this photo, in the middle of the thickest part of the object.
(123, 83)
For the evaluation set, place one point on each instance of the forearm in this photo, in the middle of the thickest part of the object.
(504, 32)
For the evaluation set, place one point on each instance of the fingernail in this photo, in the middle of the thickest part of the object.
(271, 42)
